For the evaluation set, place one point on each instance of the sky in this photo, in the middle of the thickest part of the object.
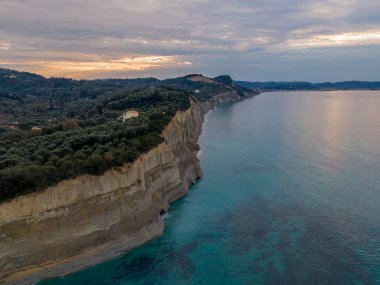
(256, 40)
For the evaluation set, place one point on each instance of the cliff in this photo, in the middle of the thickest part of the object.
(88, 219)
(110, 212)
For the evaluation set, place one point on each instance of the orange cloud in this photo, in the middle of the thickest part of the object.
(86, 69)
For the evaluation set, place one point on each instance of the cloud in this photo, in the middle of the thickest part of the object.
(88, 38)
(99, 68)
(344, 39)
(5, 46)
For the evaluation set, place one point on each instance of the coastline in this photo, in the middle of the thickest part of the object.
(317, 90)
(96, 254)
(179, 136)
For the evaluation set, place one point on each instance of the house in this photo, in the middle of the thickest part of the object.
(129, 114)
(36, 130)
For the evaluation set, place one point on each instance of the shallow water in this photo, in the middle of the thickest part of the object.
(290, 195)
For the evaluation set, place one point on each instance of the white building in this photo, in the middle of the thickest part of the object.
(129, 114)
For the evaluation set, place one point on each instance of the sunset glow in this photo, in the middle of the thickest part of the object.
(84, 69)
(257, 40)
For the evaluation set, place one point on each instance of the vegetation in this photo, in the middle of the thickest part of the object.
(55, 129)
(205, 90)
(35, 98)
(85, 142)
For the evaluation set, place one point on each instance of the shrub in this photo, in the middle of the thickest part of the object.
(70, 124)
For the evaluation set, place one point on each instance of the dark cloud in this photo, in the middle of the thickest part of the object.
(217, 36)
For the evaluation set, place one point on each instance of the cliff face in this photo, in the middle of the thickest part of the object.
(85, 220)
(113, 211)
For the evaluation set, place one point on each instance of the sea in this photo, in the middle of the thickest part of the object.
(290, 195)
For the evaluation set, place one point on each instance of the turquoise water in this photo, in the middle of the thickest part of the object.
(290, 195)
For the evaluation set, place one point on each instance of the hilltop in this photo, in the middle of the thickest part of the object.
(29, 99)
(52, 129)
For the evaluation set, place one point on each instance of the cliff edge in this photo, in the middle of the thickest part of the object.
(85, 220)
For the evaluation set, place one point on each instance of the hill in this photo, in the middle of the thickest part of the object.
(293, 86)
(52, 129)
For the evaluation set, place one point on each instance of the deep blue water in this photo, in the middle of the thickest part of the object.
(290, 195)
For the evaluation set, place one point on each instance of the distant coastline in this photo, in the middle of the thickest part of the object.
(316, 90)
(308, 86)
